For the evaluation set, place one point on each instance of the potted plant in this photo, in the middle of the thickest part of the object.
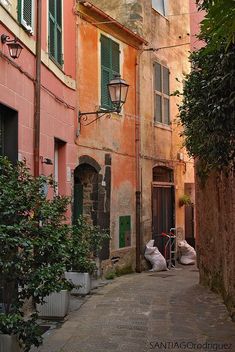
(184, 200)
(84, 243)
(33, 234)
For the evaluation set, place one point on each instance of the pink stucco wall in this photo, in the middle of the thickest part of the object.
(58, 101)
(195, 18)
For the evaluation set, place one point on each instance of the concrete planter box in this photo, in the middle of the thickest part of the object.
(82, 279)
(56, 305)
(9, 343)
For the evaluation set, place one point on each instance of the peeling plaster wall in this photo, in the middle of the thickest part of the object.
(128, 12)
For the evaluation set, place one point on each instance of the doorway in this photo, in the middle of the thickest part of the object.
(163, 199)
(9, 133)
(85, 193)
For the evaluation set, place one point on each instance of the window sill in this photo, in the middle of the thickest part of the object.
(163, 126)
(56, 63)
(160, 14)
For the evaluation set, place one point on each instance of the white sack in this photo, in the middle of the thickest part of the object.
(155, 257)
(187, 253)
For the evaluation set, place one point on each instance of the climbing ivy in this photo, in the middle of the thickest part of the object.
(218, 25)
(207, 109)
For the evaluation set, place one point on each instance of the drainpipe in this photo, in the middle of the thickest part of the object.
(138, 178)
(37, 91)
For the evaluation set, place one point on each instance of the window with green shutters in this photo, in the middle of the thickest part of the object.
(26, 14)
(55, 31)
(110, 66)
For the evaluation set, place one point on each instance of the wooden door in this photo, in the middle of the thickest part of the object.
(163, 213)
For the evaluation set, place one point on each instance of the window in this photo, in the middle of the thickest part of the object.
(161, 94)
(110, 65)
(60, 166)
(8, 133)
(25, 14)
(159, 6)
(55, 31)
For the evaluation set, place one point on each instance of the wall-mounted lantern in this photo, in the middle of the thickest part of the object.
(14, 46)
(117, 89)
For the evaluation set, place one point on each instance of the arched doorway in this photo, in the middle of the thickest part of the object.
(85, 193)
(92, 190)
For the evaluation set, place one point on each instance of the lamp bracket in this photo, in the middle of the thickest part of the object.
(83, 116)
(6, 39)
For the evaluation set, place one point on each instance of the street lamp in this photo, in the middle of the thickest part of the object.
(14, 46)
(117, 89)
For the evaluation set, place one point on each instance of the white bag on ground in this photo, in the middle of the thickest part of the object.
(155, 257)
(187, 253)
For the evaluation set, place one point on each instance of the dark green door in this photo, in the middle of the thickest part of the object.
(78, 201)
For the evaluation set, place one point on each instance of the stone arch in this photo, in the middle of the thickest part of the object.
(92, 192)
(86, 159)
(163, 173)
(86, 179)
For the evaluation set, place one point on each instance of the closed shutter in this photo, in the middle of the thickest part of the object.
(115, 58)
(55, 30)
(124, 231)
(1, 135)
(110, 65)
(26, 13)
(78, 202)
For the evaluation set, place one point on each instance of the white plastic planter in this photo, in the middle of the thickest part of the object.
(56, 305)
(81, 279)
(9, 343)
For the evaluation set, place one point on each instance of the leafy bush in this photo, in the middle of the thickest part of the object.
(207, 110)
(33, 242)
(184, 200)
(84, 244)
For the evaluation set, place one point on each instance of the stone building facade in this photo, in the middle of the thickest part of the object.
(164, 172)
(105, 176)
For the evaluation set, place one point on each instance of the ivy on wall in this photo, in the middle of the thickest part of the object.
(207, 109)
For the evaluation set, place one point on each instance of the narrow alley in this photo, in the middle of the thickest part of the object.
(159, 311)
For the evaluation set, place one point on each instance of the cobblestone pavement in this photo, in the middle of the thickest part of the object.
(166, 311)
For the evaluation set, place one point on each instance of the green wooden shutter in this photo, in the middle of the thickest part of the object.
(1, 135)
(110, 63)
(78, 201)
(105, 70)
(55, 30)
(25, 13)
(59, 31)
(115, 57)
(124, 231)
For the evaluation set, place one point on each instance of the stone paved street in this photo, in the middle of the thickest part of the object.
(166, 311)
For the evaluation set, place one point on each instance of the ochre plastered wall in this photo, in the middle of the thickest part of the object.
(160, 144)
(113, 134)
